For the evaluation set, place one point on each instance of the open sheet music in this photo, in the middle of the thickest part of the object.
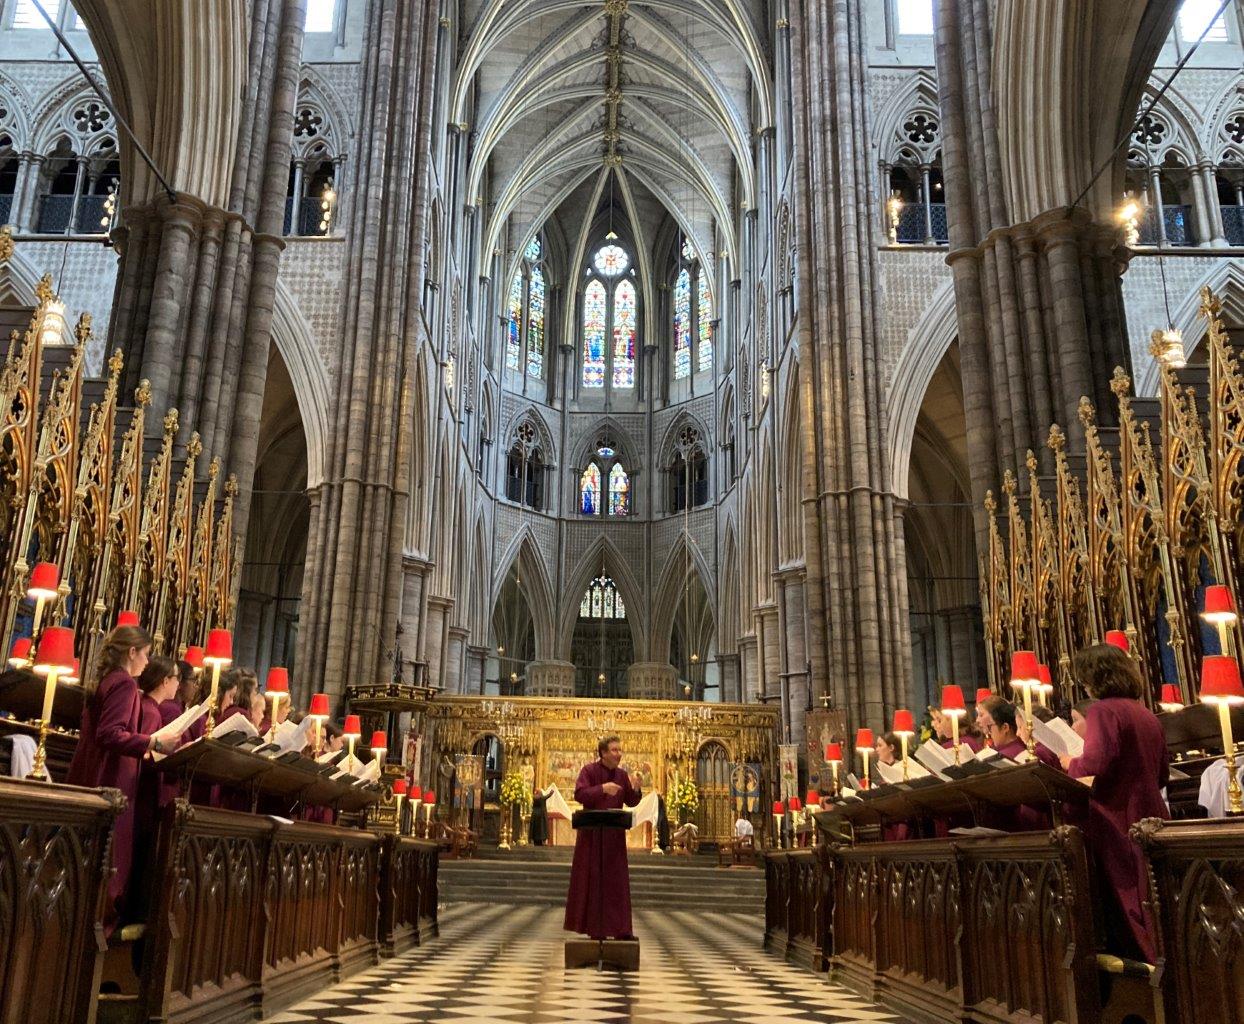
(935, 758)
(1058, 736)
(893, 773)
(235, 723)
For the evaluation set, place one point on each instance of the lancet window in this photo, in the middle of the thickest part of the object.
(693, 316)
(601, 600)
(605, 485)
(610, 319)
(525, 468)
(525, 329)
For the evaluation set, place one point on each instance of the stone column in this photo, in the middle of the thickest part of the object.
(650, 680)
(728, 674)
(26, 195)
(455, 652)
(435, 638)
(750, 683)
(1216, 235)
(857, 630)
(476, 658)
(1155, 201)
(355, 594)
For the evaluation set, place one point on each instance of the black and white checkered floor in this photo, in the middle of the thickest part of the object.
(503, 964)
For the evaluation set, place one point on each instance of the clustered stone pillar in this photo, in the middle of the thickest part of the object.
(365, 525)
(855, 594)
(1039, 303)
(196, 285)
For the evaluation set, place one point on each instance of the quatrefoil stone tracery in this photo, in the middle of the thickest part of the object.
(920, 129)
(1234, 128)
(91, 118)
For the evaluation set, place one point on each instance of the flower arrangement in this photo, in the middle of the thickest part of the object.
(683, 797)
(514, 791)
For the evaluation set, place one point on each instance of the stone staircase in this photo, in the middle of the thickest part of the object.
(541, 877)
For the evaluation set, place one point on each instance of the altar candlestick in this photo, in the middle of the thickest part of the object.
(779, 812)
(399, 793)
(352, 731)
(319, 714)
(44, 581)
(954, 708)
(1025, 674)
(864, 743)
(1221, 685)
(1220, 610)
(833, 754)
(904, 728)
(276, 687)
(379, 745)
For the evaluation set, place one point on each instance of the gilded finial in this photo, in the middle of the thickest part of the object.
(117, 363)
(1156, 345)
(194, 447)
(170, 418)
(214, 468)
(1120, 383)
(83, 330)
(1008, 482)
(142, 393)
(231, 486)
(1086, 411)
(1057, 439)
(1211, 306)
(1030, 460)
(991, 506)
(43, 290)
(6, 243)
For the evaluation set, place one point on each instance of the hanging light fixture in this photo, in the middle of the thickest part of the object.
(1128, 217)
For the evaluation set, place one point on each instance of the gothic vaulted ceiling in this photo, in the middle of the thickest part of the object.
(669, 92)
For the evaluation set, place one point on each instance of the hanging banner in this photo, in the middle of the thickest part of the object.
(745, 788)
(822, 726)
(788, 769)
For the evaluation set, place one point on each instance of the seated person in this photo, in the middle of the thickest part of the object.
(1008, 732)
(743, 828)
(1213, 794)
(889, 748)
(1125, 754)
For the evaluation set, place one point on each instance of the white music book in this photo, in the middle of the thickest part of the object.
(935, 758)
(235, 723)
(893, 773)
(1058, 736)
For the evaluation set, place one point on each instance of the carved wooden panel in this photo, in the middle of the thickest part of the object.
(55, 861)
(407, 885)
(1197, 873)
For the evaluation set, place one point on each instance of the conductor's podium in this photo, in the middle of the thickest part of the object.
(620, 953)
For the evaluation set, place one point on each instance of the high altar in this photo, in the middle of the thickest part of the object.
(557, 736)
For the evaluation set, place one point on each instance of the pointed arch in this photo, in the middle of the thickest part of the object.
(918, 95)
(728, 618)
(684, 563)
(296, 342)
(523, 554)
(603, 552)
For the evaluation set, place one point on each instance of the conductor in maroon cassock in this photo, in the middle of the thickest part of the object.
(602, 785)
(1125, 753)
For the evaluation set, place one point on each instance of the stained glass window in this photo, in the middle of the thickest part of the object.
(611, 260)
(532, 252)
(601, 600)
(619, 491)
(589, 490)
(704, 315)
(515, 327)
(624, 312)
(594, 336)
(535, 324)
(682, 325)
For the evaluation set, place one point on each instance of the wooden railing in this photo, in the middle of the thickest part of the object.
(987, 930)
(1196, 875)
(254, 913)
(54, 870)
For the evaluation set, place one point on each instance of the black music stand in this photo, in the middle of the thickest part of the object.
(620, 953)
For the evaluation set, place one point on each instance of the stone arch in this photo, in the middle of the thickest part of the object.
(71, 112)
(729, 623)
(18, 280)
(533, 414)
(917, 96)
(335, 131)
(17, 116)
(684, 562)
(603, 553)
(295, 340)
(1220, 144)
(523, 553)
(1226, 280)
(927, 342)
(669, 439)
(1181, 137)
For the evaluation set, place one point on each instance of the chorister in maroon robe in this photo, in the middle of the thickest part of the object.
(1025, 817)
(599, 901)
(1125, 753)
(109, 753)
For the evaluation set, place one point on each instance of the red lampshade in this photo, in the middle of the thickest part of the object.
(1043, 673)
(379, 741)
(983, 694)
(1220, 679)
(952, 701)
(416, 792)
(353, 726)
(219, 649)
(1171, 695)
(193, 657)
(1117, 638)
(813, 798)
(319, 705)
(864, 739)
(1219, 607)
(904, 723)
(55, 650)
(778, 808)
(429, 798)
(833, 753)
(795, 803)
(127, 618)
(1023, 668)
(44, 579)
(278, 681)
(73, 675)
(20, 654)
(399, 787)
